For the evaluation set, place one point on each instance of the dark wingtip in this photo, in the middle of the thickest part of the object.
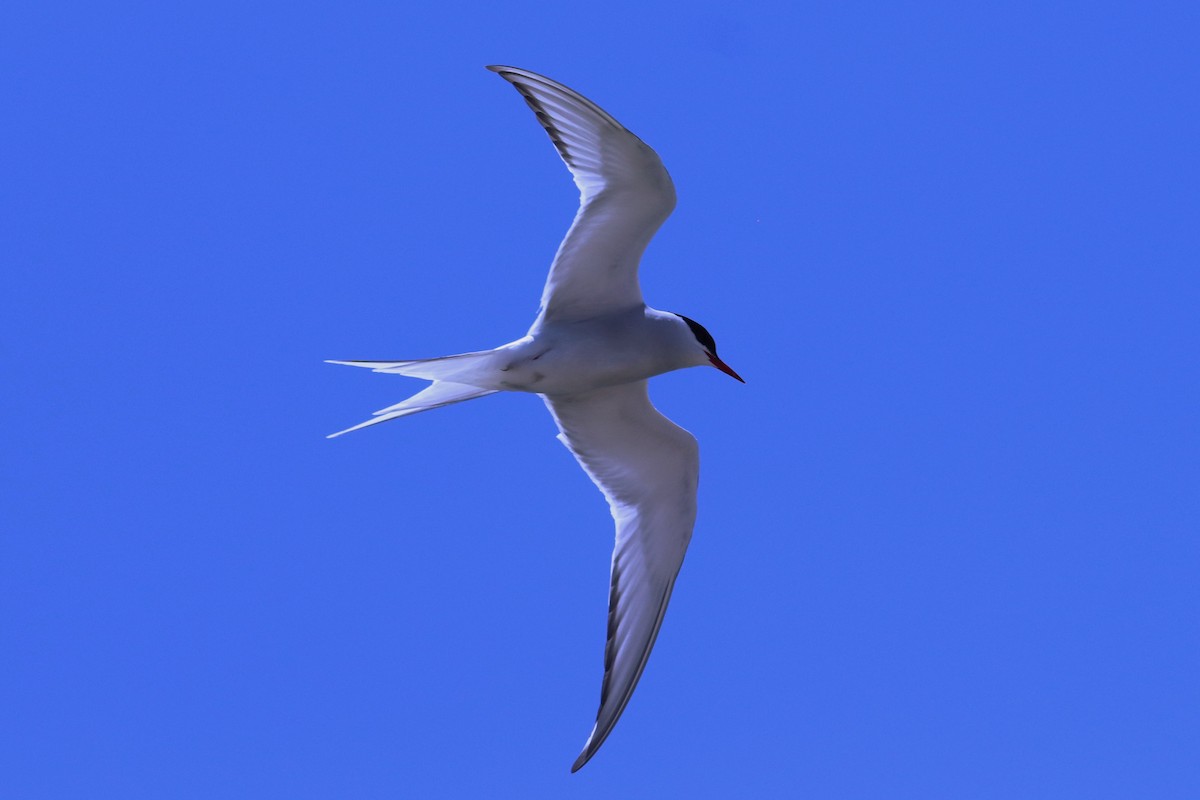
(584, 758)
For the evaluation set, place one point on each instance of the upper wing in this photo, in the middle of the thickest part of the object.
(625, 195)
(648, 468)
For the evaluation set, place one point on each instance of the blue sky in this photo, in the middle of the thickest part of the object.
(947, 535)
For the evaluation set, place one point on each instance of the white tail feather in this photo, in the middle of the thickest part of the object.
(435, 395)
(459, 368)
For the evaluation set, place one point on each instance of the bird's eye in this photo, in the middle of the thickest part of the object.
(702, 335)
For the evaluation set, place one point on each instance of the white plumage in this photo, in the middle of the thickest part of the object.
(588, 354)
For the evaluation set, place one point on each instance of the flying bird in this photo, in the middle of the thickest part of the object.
(589, 353)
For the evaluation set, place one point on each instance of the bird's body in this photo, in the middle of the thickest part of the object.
(559, 358)
(589, 354)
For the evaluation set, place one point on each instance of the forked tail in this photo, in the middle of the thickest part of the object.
(442, 392)
(460, 368)
(435, 395)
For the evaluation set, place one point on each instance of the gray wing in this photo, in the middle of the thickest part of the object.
(648, 469)
(625, 195)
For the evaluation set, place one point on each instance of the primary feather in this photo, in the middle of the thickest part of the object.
(588, 353)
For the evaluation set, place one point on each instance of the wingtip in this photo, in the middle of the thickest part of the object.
(589, 749)
(584, 757)
(510, 74)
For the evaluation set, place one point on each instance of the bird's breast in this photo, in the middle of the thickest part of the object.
(582, 357)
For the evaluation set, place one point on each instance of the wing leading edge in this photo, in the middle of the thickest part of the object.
(625, 195)
(648, 469)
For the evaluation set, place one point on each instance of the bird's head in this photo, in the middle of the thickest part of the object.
(704, 341)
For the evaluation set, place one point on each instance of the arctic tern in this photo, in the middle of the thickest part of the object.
(589, 354)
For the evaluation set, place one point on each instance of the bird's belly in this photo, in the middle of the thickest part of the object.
(574, 367)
